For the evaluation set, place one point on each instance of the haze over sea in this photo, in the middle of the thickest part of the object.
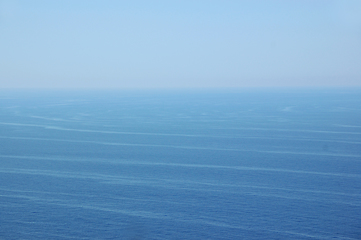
(246, 164)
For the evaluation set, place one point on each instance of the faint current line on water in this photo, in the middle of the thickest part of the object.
(172, 217)
(211, 136)
(98, 131)
(192, 148)
(170, 134)
(289, 130)
(239, 168)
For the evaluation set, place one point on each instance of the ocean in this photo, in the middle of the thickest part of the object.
(226, 164)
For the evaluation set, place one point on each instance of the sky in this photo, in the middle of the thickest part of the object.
(154, 44)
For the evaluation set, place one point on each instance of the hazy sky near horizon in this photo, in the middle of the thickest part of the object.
(179, 43)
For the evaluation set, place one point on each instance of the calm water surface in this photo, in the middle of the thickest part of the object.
(256, 164)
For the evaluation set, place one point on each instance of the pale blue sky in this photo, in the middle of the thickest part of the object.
(179, 43)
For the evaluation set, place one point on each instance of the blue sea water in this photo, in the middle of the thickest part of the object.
(247, 164)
